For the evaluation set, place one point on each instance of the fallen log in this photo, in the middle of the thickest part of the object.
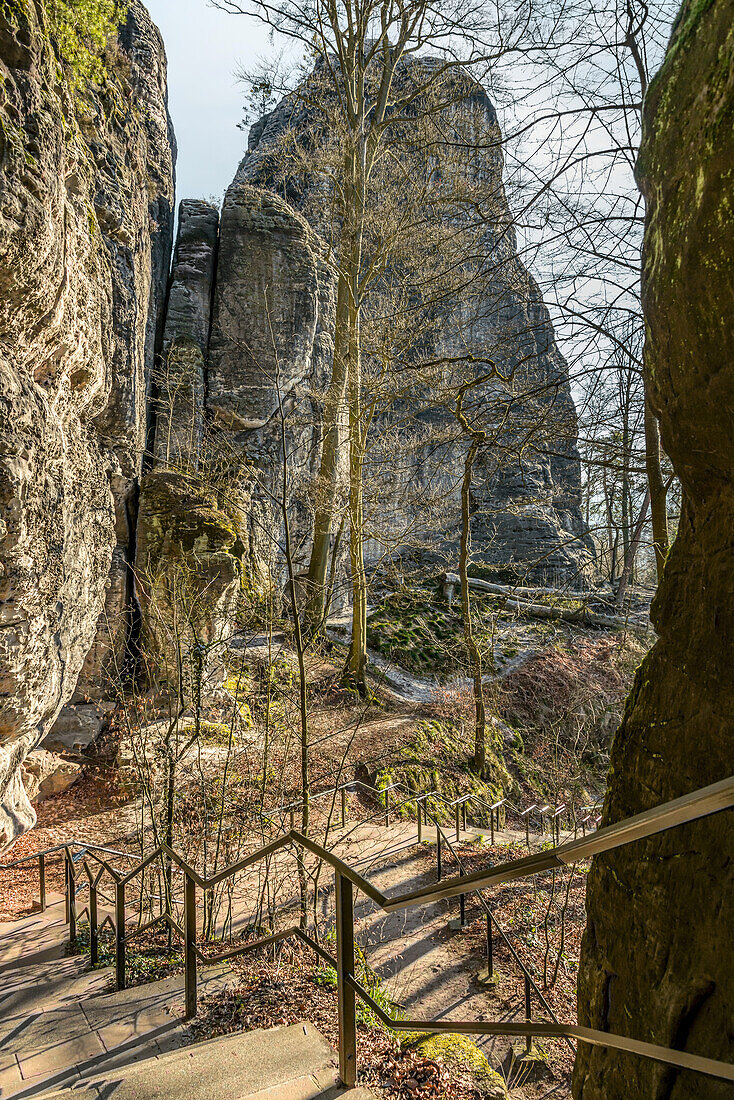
(538, 610)
(512, 592)
(566, 614)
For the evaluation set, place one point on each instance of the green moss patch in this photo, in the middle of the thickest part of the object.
(461, 1052)
(438, 756)
(178, 519)
(417, 630)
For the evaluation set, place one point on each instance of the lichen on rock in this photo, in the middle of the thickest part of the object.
(188, 568)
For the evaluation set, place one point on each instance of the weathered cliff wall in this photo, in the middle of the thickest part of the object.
(86, 191)
(271, 344)
(658, 955)
(526, 493)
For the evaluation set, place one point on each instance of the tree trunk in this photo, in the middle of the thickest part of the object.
(626, 574)
(356, 667)
(473, 651)
(315, 607)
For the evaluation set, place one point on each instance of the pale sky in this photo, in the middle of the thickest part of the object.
(204, 46)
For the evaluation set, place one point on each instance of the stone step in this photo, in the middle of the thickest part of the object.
(39, 987)
(34, 938)
(286, 1063)
(61, 1045)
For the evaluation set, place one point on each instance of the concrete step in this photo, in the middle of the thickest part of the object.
(39, 987)
(286, 1063)
(62, 1045)
(34, 938)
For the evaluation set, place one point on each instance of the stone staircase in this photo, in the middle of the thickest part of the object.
(60, 1031)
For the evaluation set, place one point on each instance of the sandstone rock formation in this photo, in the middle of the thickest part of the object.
(271, 344)
(45, 774)
(526, 495)
(658, 956)
(219, 528)
(85, 235)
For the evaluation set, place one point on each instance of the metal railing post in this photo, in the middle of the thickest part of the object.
(438, 851)
(292, 820)
(387, 807)
(528, 1014)
(491, 824)
(71, 893)
(527, 830)
(420, 822)
(120, 935)
(462, 910)
(457, 820)
(344, 807)
(490, 952)
(463, 815)
(93, 930)
(66, 885)
(344, 970)
(189, 945)
(42, 881)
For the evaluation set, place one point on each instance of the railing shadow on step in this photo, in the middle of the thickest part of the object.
(691, 807)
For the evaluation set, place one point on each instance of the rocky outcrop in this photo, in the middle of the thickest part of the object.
(188, 554)
(657, 963)
(526, 492)
(85, 233)
(45, 774)
(271, 344)
(179, 380)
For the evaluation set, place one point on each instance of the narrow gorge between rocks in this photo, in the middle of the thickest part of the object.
(312, 519)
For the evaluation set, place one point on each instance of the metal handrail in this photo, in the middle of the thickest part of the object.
(291, 807)
(84, 845)
(529, 980)
(691, 807)
(688, 808)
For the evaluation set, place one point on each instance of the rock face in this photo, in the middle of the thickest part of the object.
(45, 774)
(526, 491)
(250, 328)
(271, 313)
(657, 963)
(85, 233)
(179, 381)
(271, 342)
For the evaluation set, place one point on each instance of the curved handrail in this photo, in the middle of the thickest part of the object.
(704, 802)
(490, 915)
(291, 807)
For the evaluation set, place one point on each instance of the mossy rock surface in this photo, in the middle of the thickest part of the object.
(417, 630)
(178, 519)
(437, 755)
(460, 1051)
